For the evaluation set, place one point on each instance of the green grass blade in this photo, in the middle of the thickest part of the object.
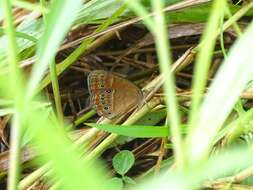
(52, 141)
(194, 177)
(164, 57)
(204, 57)
(58, 21)
(138, 131)
(231, 79)
(54, 79)
(81, 49)
(162, 45)
(15, 77)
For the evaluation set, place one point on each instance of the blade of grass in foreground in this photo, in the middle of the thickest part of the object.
(16, 79)
(164, 57)
(54, 79)
(193, 178)
(204, 56)
(15, 87)
(161, 38)
(58, 22)
(68, 167)
(231, 79)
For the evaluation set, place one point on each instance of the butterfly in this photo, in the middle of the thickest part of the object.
(111, 95)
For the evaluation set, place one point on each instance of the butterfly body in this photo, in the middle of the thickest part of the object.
(111, 95)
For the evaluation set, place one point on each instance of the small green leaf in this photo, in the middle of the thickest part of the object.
(114, 183)
(128, 180)
(123, 161)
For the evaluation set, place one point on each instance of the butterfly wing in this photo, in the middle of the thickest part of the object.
(126, 96)
(101, 93)
(111, 95)
(99, 80)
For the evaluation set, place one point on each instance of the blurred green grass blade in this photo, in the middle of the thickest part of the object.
(162, 45)
(138, 131)
(81, 50)
(229, 161)
(54, 80)
(194, 177)
(164, 57)
(58, 22)
(12, 53)
(53, 142)
(15, 86)
(204, 56)
(231, 79)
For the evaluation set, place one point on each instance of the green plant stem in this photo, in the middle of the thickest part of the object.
(84, 117)
(16, 88)
(169, 84)
(236, 16)
(203, 59)
(227, 24)
(236, 27)
(56, 91)
(223, 49)
(54, 79)
(14, 170)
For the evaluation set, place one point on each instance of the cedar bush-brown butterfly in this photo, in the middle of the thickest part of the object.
(112, 95)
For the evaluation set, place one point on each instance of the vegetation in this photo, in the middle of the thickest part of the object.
(193, 61)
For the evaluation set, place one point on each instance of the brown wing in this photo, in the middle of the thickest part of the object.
(102, 100)
(111, 95)
(126, 96)
(101, 94)
(99, 80)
